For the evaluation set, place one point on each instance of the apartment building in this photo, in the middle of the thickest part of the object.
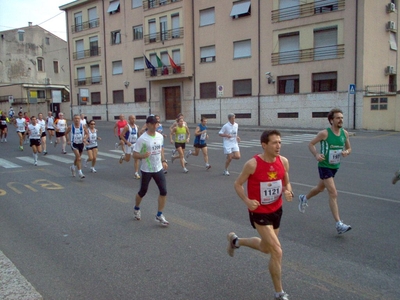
(34, 70)
(273, 63)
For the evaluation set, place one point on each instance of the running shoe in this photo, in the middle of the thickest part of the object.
(93, 170)
(302, 203)
(396, 177)
(55, 144)
(226, 173)
(282, 296)
(64, 152)
(116, 146)
(173, 158)
(208, 167)
(165, 171)
(85, 163)
(121, 159)
(5, 140)
(72, 168)
(81, 176)
(137, 176)
(21, 148)
(185, 170)
(232, 237)
(137, 214)
(35, 163)
(44, 152)
(342, 228)
(161, 219)
(51, 142)
(173, 152)
(184, 160)
(189, 153)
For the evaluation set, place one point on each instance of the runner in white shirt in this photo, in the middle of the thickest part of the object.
(229, 132)
(61, 127)
(50, 126)
(34, 133)
(42, 124)
(91, 147)
(20, 123)
(129, 136)
(83, 120)
(150, 149)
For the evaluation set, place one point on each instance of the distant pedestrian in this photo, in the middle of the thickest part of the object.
(34, 134)
(182, 136)
(50, 126)
(118, 127)
(3, 127)
(42, 124)
(61, 127)
(129, 136)
(229, 133)
(200, 142)
(20, 124)
(91, 146)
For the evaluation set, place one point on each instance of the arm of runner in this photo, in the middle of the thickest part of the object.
(122, 135)
(322, 135)
(248, 169)
(347, 145)
(287, 188)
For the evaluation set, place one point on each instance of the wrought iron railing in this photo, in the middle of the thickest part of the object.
(85, 25)
(165, 71)
(380, 89)
(88, 81)
(86, 53)
(149, 4)
(164, 35)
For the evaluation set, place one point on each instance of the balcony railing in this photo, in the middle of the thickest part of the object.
(163, 36)
(149, 4)
(165, 71)
(380, 89)
(85, 25)
(306, 55)
(307, 10)
(86, 53)
(88, 81)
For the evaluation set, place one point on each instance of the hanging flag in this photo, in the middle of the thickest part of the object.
(177, 69)
(159, 62)
(150, 66)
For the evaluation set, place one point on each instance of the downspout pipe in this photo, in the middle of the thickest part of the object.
(194, 66)
(259, 66)
(105, 59)
(355, 65)
(70, 69)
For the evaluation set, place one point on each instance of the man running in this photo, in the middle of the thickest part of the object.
(129, 136)
(150, 149)
(79, 136)
(182, 136)
(200, 142)
(334, 144)
(118, 127)
(20, 124)
(267, 177)
(91, 147)
(42, 124)
(50, 126)
(61, 127)
(35, 133)
(229, 132)
(3, 127)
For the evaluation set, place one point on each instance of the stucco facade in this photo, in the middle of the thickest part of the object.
(273, 63)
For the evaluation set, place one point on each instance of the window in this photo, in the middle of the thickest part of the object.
(55, 66)
(393, 83)
(152, 3)
(242, 87)
(117, 67)
(78, 21)
(242, 49)
(95, 74)
(207, 16)
(176, 32)
(80, 51)
(140, 95)
(288, 84)
(240, 9)
(21, 35)
(152, 31)
(118, 97)
(138, 32)
(116, 37)
(392, 41)
(81, 76)
(47, 40)
(113, 8)
(40, 64)
(379, 103)
(41, 94)
(94, 45)
(289, 9)
(138, 64)
(323, 6)
(96, 98)
(208, 90)
(289, 48)
(207, 54)
(163, 28)
(136, 3)
(325, 43)
(93, 18)
(324, 82)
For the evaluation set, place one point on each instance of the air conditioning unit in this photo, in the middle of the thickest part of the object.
(390, 70)
(47, 81)
(391, 7)
(391, 26)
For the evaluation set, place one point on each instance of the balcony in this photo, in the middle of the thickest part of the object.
(163, 36)
(380, 89)
(307, 10)
(88, 81)
(307, 55)
(85, 25)
(86, 53)
(165, 71)
(149, 4)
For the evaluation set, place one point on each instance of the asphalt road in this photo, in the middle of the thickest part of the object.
(76, 239)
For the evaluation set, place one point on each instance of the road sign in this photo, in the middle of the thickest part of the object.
(352, 89)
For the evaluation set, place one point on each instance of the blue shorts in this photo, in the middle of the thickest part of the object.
(325, 173)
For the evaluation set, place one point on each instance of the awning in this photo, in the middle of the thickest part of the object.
(240, 8)
(46, 86)
(113, 7)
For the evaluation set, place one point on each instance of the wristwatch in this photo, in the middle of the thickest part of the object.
(164, 161)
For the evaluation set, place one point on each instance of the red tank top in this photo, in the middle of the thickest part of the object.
(121, 125)
(266, 185)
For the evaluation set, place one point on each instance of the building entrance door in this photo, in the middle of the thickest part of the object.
(172, 96)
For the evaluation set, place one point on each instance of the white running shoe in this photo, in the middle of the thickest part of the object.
(208, 167)
(35, 163)
(226, 173)
(116, 146)
(51, 142)
(161, 219)
(85, 163)
(342, 228)
(137, 176)
(185, 170)
(302, 203)
(282, 296)
(81, 176)
(121, 159)
(137, 214)
(231, 237)
(5, 140)
(189, 153)
(72, 168)
(93, 170)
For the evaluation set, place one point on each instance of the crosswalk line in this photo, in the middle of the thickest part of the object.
(59, 158)
(30, 161)
(8, 164)
(84, 156)
(111, 155)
